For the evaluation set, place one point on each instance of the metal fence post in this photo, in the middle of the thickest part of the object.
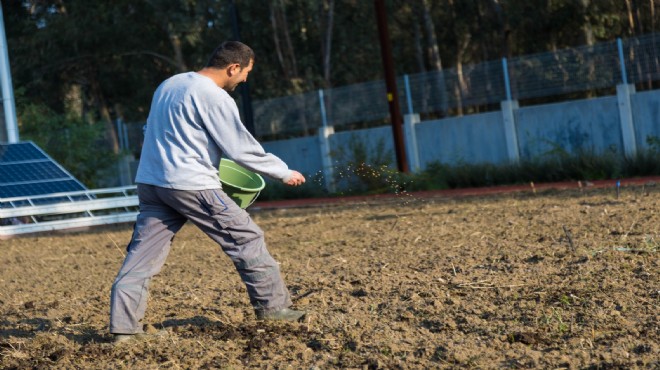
(406, 83)
(409, 122)
(326, 157)
(324, 145)
(623, 92)
(507, 83)
(324, 118)
(508, 118)
(8, 102)
(624, 75)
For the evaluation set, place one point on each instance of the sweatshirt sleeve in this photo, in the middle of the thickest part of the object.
(223, 123)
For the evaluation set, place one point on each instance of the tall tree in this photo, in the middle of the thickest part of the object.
(103, 59)
(327, 12)
(286, 54)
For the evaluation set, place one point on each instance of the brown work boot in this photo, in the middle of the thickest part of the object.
(284, 314)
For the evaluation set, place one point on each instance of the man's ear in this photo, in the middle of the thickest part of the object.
(234, 69)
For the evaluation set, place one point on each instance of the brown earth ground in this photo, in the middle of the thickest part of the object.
(552, 279)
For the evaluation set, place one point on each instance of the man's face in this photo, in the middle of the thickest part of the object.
(238, 76)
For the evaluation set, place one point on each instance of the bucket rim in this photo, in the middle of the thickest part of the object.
(244, 171)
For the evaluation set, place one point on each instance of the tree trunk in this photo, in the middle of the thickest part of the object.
(635, 27)
(644, 58)
(433, 53)
(419, 50)
(588, 39)
(98, 98)
(587, 31)
(461, 88)
(637, 17)
(421, 66)
(327, 7)
(505, 50)
(283, 45)
(104, 112)
(652, 7)
(432, 45)
(631, 17)
(287, 58)
(654, 61)
(276, 40)
(175, 40)
(462, 43)
(289, 47)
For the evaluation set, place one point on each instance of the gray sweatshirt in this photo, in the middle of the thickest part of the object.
(192, 123)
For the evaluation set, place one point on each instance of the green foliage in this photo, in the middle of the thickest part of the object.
(646, 162)
(107, 65)
(581, 166)
(121, 53)
(365, 171)
(79, 147)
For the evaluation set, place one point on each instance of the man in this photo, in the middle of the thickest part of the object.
(192, 122)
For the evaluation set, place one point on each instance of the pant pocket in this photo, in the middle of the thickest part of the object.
(233, 220)
(242, 229)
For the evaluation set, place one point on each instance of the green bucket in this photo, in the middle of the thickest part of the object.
(242, 185)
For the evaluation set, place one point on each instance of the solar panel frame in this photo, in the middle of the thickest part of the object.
(16, 152)
(37, 172)
(26, 170)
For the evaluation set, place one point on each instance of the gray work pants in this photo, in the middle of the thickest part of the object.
(162, 213)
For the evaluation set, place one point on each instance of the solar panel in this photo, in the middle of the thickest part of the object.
(26, 170)
(24, 151)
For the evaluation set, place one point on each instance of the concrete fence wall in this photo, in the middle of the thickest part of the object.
(572, 126)
(621, 123)
(475, 138)
(646, 116)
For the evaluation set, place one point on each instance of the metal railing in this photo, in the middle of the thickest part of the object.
(59, 211)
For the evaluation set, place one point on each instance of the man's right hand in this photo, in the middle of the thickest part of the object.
(296, 179)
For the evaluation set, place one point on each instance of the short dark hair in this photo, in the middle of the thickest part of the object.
(230, 52)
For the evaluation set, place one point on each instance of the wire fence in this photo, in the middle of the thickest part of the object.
(570, 73)
(574, 73)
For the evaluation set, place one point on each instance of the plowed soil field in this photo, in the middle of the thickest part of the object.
(552, 279)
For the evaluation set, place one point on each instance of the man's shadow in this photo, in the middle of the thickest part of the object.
(193, 326)
(29, 328)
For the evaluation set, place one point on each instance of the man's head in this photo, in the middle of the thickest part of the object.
(235, 59)
(231, 52)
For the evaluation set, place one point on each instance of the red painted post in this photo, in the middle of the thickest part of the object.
(390, 82)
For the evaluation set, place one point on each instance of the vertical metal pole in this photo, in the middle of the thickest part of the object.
(406, 82)
(8, 103)
(626, 117)
(326, 157)
(324, 118)
(120, 134)
(390, 82)
(125, 128)
(507, 83)
(624, 75)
